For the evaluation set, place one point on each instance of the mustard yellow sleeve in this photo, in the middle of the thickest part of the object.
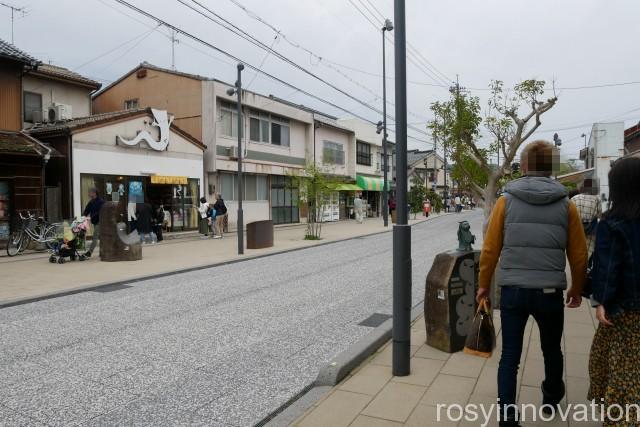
(576, 249)
(492, 245)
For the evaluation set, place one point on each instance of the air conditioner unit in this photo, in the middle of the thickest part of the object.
(233, 152)
(57, 112)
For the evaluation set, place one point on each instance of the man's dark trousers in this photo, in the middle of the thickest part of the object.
(547, 308)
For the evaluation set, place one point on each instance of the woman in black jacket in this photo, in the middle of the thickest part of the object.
(144, 216)
(614, 368)
(221, 213)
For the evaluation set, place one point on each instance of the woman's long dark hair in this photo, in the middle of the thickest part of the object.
(624, 189)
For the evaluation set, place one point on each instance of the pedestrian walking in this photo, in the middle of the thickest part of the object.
(203, 224)
(156, 224)
(144, 216)
(92, 210)
(357, 207)
(458, 202)
(590, 210)
(533, 228)
(614, 371)
(221, 213)
(426, 207)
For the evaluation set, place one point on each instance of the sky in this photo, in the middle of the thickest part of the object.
(569, 44)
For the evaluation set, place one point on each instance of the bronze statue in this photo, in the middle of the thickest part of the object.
(465, 238)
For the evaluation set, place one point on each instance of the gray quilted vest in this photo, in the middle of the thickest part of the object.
(535, 234)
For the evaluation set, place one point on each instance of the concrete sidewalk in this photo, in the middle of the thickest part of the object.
(372, 397)
(31, 276)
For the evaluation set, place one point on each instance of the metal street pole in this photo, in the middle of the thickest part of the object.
(240, 180)
(388, 26)
(401, 230)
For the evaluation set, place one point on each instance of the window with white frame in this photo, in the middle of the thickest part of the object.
(255, 187)
(228, 119)
(131, 104)
(332, 153)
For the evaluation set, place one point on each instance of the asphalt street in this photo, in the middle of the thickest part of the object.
(223, 346)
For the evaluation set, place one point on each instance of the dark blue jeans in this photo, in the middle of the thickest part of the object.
(516, 305)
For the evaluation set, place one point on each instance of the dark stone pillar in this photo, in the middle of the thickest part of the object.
(115, 243)
(449, 301)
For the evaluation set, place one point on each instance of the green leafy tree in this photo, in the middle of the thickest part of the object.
(315, 184)
(512, 117)
(416, 195)
(437, 205)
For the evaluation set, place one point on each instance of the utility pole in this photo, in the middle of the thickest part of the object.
(13, 10)
(456, 90)
(401, 332)
(388, 26)
(238, 91)
(174, 40)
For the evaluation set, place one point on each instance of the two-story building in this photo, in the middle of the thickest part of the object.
(428, 167)
(369, 163)
(278, 138)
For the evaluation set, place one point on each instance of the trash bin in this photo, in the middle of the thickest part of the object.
(260, 234)
(449, 301)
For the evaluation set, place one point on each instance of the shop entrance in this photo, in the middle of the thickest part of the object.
(179, 202)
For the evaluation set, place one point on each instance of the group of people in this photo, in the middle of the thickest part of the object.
(212, 217)
(534, 227)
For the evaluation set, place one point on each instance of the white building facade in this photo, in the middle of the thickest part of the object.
(606, 144)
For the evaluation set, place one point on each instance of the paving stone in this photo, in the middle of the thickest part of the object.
(364, 421)
(428, 352)
(368, 380)
(449, 389)
(337, 410)
(424, 415)
(422, 371)
(487, 383)
(395, 402)
(464, 365)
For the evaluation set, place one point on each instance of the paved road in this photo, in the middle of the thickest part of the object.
(222, 346)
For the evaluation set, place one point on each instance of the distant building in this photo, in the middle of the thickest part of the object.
(428, 166)
(632, 139)
(606, 144)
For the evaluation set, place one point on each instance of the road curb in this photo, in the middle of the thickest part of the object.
(95, 286)
(351, 358)
(335, 371)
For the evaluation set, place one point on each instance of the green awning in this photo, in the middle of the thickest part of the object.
(347, 187)
(371, 184)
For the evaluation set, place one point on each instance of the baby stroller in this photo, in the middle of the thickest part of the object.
(72, 241)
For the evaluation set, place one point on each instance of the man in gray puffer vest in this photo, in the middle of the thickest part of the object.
(532, 230)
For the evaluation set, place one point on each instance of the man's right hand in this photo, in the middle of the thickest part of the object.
(574, 299)
(482, 294)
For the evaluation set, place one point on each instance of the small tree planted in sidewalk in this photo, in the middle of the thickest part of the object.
(417, 195)
(512, 117)
(315, 184)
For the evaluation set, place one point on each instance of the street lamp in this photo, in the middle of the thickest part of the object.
(238, 91)
(388, 26)
(557, 142)
(401, 332)
(584, 135)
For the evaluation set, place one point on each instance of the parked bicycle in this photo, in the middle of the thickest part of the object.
(32, 229)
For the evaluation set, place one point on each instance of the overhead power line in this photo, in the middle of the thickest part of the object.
(319, 58)
(243, 34)
(248, 65)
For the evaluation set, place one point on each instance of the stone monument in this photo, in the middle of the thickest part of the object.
(115, 243)
(449, 302)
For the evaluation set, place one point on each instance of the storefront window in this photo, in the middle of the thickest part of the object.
(179, 201)
(284, 200)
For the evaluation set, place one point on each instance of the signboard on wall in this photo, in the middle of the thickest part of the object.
(162, 121)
